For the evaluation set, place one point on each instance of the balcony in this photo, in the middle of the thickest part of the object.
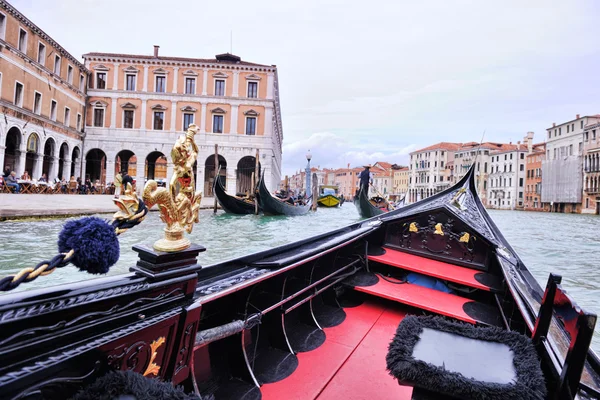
(592, 190)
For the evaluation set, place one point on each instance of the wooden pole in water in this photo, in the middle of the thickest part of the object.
(216, 174)
(315, 191)
(287, 184)
(256, 175)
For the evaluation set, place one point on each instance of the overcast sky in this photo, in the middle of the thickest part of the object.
(368, 81)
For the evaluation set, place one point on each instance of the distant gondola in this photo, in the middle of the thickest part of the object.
(274, 206)
(232, 204)
(368, 208)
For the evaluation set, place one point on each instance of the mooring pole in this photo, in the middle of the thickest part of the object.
(315, 191)
(216, 174)
(256, 175)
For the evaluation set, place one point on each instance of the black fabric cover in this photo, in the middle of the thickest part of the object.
(131, 386)
(402, 365)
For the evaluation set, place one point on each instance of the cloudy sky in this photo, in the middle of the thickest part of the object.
(371, 81)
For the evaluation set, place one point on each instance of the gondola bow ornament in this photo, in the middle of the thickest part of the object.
(179, 204)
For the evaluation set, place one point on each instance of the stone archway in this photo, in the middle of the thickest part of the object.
(63, 166)
(126, 161)
(244, 173)
(75, 161)
(48, 163)
(209, 174)
(12, 152)
(156, 166)
(95, 165)
(32, 159)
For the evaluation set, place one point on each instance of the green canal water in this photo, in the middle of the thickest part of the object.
(567, 244)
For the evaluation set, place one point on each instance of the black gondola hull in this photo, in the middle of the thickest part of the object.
(231, 204)
(273, 206)
(364, 206)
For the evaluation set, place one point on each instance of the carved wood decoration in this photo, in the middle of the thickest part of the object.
(440, 236)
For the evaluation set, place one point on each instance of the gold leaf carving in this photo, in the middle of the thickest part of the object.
(153, 368)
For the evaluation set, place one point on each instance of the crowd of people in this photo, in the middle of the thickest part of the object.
(74, 185)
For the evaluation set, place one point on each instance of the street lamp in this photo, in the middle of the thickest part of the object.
(308, 158)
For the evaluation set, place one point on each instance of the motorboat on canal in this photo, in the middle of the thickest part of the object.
(422, 302)
(234, 204)
(328, 196)
(370, 207)
(272, 205)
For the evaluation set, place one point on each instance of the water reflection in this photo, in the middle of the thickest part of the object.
(562, 243)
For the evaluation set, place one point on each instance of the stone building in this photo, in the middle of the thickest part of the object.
(400, 178)
(562, 170)
(139, 104)
(533, 181)
(42, 94)
(506, 180)
(429, 170)
(591, 167)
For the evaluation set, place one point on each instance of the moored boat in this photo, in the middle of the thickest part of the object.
(315, 318)
(328, 196)
(370, 207)
(272, 205)
(233, 204)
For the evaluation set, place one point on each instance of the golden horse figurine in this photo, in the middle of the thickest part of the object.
(179, 205)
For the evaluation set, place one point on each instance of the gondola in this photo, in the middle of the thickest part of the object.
(328, 196)
(428, 301)
(271, 205)
(370, 207)
(232, 204)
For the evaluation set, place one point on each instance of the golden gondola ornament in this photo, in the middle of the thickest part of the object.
(179, 204)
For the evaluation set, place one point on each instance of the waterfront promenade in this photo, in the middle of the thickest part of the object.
(59, 205)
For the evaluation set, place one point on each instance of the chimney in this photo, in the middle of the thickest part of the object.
(156, 47)
(529, 141)
(577, 116)
(553, 124)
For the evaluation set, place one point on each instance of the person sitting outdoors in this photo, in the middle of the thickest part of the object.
(126, 179)
(43, 178)
(11, 181)
(26, 176)
(7, 171)
(64, 184)
(97, 187)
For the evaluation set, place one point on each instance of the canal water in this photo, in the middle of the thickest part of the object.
(566, 244)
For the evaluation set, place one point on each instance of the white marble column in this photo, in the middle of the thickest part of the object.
(113, 114)
(270, 85)
(37, 166)
(236, 84)
(204, 82)
(145, 88)
(231, 180)
(143, 122)
(140, 174)
(203, 119)
(110, 170)
(53, 172)
(169, 172)
(173, 115)
(116, 77)
(175, 79)
(233, 123)
(66, 169)
(2, 151)
(78, 167)
(200, 177)
(20, 163)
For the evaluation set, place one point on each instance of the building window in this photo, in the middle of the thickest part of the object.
(53, 107)
(188, 119)
(101, 80)
(18, 94)
(253, 90)
(522, 167)
(580, 147)
(161, 86)
(559, 131)
(22, 40)
(159, 120)
(99, 117)
(567, 128)
(67, 120)
(250, 125)
(57, 65)
(570, 149)
(573, 127)
(128, 119)
(217, 124)
(219, 87)
(78, 122)
(37, 103)
(70, 74)
(190, 86)
(520, 182)
(522, 156)
(41, 53)
(81, 82)
(130, 82)
(2, 26)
